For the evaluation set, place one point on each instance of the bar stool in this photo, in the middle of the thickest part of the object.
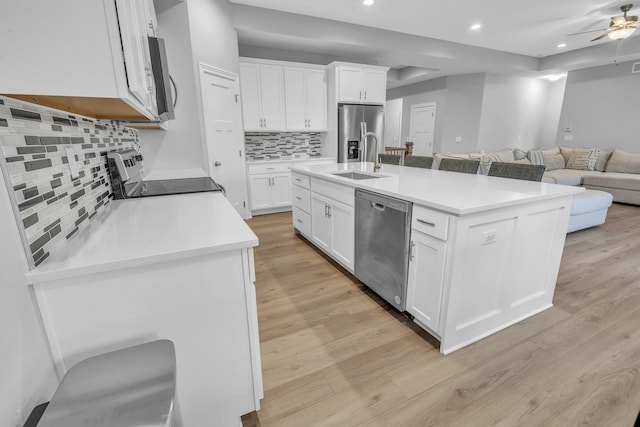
(460, 165)
(390, 159)
(517, 171)
(419, 161)
(132, 387)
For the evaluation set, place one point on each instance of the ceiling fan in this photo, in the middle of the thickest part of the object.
(620, 27)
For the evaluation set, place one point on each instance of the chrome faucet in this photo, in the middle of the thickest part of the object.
(376, 165)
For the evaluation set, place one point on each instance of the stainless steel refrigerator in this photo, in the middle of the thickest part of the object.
(353, 122)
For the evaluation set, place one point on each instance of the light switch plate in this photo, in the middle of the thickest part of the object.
(568, 138)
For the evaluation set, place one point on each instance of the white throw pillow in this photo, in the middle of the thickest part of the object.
(583, 159)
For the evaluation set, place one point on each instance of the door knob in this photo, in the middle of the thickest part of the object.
(217, 164)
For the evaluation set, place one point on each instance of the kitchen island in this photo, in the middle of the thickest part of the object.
(177, 267)
(485, 251)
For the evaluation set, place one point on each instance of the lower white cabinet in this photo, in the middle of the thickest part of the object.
(332, 228)
(426, 279)
(271, 190)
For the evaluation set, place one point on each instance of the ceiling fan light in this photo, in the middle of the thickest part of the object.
(620, 33)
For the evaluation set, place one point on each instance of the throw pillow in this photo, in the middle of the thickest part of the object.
(499, 156)
(603, 158)
(566, 153)
(519, 154)
(553, 161)
(537, 156)
(583, 159)
(624, 162)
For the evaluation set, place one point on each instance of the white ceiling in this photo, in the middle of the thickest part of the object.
(531, 29)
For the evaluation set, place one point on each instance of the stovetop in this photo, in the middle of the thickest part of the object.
(126, 171)
(170, 186)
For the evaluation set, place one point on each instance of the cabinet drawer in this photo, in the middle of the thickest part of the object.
(430, 222)
(341, 193)
(301, 180)
(302, 221)
(302, 198)
(268, 168)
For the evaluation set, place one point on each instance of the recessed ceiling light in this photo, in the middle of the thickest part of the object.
(367, 2)
(554, 77)
(475, 27)
(561, 45)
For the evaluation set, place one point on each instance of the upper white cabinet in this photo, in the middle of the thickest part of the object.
(75, 61)
(262, 88)
(305, 99)
(137, 22)
(360, 84)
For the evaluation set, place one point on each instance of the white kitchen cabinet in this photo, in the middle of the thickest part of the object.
(84, 74)
(270, 190)
(332, 221)
(361, 84)
(262, 88)
(136, 20)
(426, 279)
(305, 99)
(270, 187)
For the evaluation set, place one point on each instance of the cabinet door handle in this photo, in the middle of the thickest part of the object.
(365, 95)
(360, 95)
(298, 179)
(326, 210)
(299, 220)
(422, 221)
(298, 197)
(329, 211)
(270, 169)
(413, 244)
(265, 122)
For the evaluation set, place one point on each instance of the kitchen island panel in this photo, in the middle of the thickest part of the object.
(204, 304)
(503, 269)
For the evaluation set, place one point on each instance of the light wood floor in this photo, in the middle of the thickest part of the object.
(334, 354)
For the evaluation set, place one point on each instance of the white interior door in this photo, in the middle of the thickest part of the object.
(422, 123)
(224, 135)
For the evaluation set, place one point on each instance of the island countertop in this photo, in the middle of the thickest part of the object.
(142, 231)
(451, 192)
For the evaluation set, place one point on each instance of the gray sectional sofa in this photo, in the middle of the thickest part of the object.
(615, 171)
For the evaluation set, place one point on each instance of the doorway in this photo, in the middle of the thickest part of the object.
(224, 135)
(422, 122)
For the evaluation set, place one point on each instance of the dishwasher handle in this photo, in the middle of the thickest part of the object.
(378, 206)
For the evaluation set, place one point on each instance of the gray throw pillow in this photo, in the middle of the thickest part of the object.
(603, 158)
(553, 161)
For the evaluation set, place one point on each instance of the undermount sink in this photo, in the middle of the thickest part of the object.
(357, 175)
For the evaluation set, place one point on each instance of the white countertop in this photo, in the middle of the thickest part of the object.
(136, 232)
(452, 192)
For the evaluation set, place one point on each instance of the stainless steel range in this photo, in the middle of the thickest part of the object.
(126, 171)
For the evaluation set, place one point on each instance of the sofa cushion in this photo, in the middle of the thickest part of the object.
(621, 161)
(568, 176)
(566, 153)
(623, 181)
(519, 154)
(583, 158)
(603, 159)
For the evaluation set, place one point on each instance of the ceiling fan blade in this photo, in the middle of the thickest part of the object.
(585, 32)
(600, 36)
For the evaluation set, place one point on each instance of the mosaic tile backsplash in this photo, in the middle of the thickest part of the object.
(281, 145)
(51, 205)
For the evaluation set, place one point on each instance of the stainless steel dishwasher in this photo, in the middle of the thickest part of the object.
(382, 227)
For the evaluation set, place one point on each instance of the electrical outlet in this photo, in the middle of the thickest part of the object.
(458, 139)
(73, 164)
(489, 237)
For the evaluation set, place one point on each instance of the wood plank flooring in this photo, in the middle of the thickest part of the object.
(335, 354)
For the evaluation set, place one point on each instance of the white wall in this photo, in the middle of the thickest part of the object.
(513, 112)
(393, 123)
(601, 105)
(194, 31)
(462, 113)
(27, 375)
